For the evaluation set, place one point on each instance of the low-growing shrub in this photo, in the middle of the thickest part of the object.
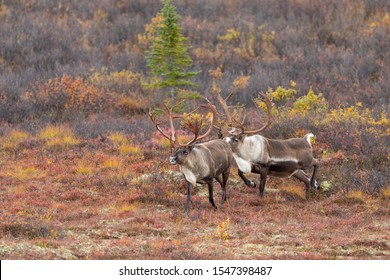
(64, 97)
(125, 146)
(120, 82)
(12, 142)
(58, 137)
(26, 173)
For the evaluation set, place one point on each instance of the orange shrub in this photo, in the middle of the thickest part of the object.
(61, 97)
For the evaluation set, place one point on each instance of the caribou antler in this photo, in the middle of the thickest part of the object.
(155, 121)
(193, 127)
(224, 105)
(233, 122)
(196, 125)
(268, 103)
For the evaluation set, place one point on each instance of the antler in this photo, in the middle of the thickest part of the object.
(224, 105)
(231, 120)
(236, 124)
(155, 121)
(268, 103)
(193, 127)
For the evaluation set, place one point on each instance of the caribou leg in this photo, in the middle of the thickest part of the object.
(313, 181)
(220, 181)
(263, 170)
(300, 175)
(211, 195)
(247, 182)
(189, 186)
(225, 178)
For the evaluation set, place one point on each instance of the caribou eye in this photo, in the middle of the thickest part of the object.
(185, 152)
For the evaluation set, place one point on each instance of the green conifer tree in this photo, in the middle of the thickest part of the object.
(168, 58)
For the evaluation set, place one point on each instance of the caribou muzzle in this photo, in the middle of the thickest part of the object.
(173, 160)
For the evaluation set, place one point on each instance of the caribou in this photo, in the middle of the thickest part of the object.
(255, 153)
(199, 162)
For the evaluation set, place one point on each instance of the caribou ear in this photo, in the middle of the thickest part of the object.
(191, 147)
(242, 137)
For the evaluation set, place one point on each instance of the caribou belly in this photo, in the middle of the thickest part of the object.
(283, 169)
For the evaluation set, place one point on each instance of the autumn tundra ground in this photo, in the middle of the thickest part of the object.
(63, 197)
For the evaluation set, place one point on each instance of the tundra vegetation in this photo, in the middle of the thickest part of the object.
(85, 175)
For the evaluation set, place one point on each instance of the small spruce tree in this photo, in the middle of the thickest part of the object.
(168, 58)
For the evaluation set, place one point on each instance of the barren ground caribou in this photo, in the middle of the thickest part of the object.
(258, 154)
(202, 162)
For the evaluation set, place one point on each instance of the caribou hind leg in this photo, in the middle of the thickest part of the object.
(300, 175)
(263, 170)
(313, 181)
(220, 181)
(225, 178)
(211, 192)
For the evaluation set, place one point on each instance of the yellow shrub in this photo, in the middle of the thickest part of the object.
(112, 163)
(70, 140)
(18, 136)
(84, 168)
(231, 35)
(124, 146)
(133, 207)
(26, 173)
(222, 230)
(121, 79)
(310, 102)
(50, 132)
(128, 104)
(130, 149)
(383, 121)
(281, 93)
(241, 82)
(216, 74)
(357, 195)
(14, 139)
(386, 193)
(150, 31)
(185, 138)
(118, 138)
(192, 121)
(58, 137)
(267, 44)
(162, 142)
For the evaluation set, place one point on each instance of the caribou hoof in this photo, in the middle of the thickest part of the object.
(316, 185)
(252, 184)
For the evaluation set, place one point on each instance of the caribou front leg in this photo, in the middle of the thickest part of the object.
(247, 182)
(189, 187)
